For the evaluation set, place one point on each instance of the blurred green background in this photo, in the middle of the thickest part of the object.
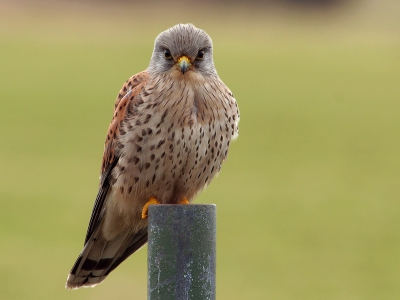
(308, 200)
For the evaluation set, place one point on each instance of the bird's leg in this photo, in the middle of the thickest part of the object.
(145, 209)
(153, 200)
(184, 201)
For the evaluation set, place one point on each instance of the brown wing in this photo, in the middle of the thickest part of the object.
(128, 94)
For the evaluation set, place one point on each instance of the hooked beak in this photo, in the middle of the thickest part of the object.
(184, 63)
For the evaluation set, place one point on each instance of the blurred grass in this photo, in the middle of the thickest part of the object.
(308, 199)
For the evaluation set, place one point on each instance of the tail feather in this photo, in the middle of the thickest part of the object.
(100, 256)
(137, 240)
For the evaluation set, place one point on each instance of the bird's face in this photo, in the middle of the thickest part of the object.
(182, 50)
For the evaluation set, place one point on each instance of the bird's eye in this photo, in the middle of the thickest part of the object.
(167, 54)
(200, 55)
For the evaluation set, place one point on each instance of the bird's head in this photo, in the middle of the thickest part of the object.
(181, 50)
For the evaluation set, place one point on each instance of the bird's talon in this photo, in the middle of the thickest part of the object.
(184, 201)
(146, 207)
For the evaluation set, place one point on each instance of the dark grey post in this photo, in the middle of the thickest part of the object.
(181, 252)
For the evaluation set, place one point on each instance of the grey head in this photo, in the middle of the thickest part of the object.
(183, 48)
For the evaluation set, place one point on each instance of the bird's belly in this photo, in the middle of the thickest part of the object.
(172, 164)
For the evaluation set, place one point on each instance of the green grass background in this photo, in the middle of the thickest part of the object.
(308, 200)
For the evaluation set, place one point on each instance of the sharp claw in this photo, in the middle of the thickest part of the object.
(152, 201)
(145, 209)
(184, 201)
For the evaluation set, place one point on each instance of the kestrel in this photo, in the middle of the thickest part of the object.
(170, 133)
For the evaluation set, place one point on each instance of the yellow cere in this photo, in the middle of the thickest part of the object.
(183, 57)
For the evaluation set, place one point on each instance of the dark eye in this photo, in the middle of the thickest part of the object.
(200, 55)
(167, 54)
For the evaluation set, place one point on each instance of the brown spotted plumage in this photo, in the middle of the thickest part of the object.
(170, 132)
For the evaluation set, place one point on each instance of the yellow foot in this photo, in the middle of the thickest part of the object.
(146, 207)
(184, 201)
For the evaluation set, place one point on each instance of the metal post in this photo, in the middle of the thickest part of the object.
(181, 252)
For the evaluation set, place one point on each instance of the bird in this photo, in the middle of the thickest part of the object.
(170, 132)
